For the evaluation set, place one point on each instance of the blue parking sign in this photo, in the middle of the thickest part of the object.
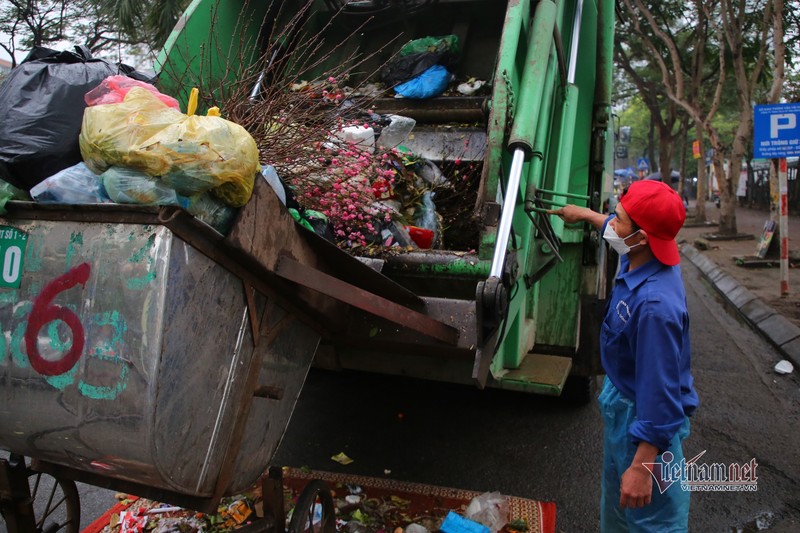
(776, 131)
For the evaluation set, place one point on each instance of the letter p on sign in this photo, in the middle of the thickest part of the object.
(779, 122)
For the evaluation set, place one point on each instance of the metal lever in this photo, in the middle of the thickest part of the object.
(509, 201)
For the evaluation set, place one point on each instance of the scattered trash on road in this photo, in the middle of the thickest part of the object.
(784, 367)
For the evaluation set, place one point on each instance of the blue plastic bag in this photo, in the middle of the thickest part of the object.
(429, 84)
(455, 523)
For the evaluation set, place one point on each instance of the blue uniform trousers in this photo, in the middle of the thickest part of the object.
(667, 512)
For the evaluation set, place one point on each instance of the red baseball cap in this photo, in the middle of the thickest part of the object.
(656, 208)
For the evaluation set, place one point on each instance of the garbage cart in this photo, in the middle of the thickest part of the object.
(130, 359)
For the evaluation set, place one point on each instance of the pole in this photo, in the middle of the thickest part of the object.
(509, 200)
(783, 186)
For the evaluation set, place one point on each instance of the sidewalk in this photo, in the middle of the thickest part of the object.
(753, 292)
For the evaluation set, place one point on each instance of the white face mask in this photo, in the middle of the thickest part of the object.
(617, 242)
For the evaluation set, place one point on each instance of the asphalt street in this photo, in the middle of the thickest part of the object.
(546, 449)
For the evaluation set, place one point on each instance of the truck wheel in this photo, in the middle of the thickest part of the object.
(579, 390)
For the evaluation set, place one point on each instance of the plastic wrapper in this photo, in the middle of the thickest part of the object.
(427, 218)
(397, 131)
(128, 186)
(490, 509)
(190, 154)
(41, 105)
(113, 89)
(74, 185)
(429, 172)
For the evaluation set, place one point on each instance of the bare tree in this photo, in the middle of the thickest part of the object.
(737, 22)
(667, 117)
(691, 94)
(743, 32)
(101, 25)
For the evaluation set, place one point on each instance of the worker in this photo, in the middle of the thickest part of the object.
(648, 392)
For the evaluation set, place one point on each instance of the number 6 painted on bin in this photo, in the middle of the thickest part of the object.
(43, 312)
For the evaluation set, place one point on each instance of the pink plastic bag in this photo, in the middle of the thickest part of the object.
(113, 89)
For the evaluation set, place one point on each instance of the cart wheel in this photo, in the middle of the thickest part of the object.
(35, 502)
(56, 503)
(314, 512)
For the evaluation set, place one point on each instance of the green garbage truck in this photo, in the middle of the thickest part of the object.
(108, 311)
(514, 295)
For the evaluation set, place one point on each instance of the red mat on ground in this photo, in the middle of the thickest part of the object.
(429, 500)
(420, 501)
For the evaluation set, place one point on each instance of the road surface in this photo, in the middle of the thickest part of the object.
(545, 449)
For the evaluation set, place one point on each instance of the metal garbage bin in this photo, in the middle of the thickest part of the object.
(127, 354)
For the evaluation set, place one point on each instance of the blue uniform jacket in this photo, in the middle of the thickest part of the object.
(644, 348)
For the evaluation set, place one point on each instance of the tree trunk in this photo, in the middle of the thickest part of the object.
(727, 195)
(731, 181)
(774, 96)
(665, 154)
(700, 209)
(651, 156)
(682, 167)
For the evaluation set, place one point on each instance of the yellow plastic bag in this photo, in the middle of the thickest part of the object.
(191, 154)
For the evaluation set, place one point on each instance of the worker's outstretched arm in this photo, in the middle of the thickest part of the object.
(573, 213)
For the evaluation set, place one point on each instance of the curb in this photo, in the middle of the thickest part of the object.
(774, 327)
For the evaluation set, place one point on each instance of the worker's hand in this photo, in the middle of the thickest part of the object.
(636, 487)
(571, 213)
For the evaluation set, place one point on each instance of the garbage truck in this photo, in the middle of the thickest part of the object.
(144, 351)
(522, 292)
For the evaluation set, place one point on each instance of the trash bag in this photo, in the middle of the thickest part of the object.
(113, 89)
(42, 104)
(74, 185)
(210, 210)
(429, 84)
(447, 43)
(129, 186)
(418, 56)
(188, 153)
(8, 192)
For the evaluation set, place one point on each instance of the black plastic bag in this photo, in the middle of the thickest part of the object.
(404, 68)
(42, 105)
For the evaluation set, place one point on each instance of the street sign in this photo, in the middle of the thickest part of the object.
(643, 164)
(776, 131)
